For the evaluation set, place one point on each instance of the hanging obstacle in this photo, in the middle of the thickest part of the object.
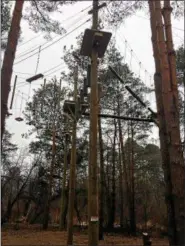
(19, 119)
(35, 77)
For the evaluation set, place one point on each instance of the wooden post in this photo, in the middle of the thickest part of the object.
(93, 211)
(72, 167)
(102, 181)
(63, 200)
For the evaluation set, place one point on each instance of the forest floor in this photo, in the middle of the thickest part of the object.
(34, 236)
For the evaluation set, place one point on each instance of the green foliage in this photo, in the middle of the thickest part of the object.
(44, 112)
(5, 21)
(180, 61)
(38, 14)
(8, 150)
(118, 11)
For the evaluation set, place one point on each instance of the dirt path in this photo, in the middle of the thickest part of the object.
(33, 236)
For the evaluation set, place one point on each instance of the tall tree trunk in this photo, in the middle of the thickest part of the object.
(172, 156)
(108, 195)
(102, 182)
(63, 200)
(50, 186)
(125, 173)
(122, 166)
(76, 209)
(121, 188)
(6, 71)
(132, 186)
(72, 178)
(113, 190)
(177, 161)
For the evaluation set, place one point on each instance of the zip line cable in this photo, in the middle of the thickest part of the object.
(52, 68)
(28, 40)
(54, 71)
(23, 73)
(174, 27)
(56, 41)
(81, 11)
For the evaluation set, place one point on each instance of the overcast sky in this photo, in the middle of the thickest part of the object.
(136, 30)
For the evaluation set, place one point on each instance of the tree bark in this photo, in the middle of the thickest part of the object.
(177, 161)
(121, 188)
(132, 187)
(6, 71)
(50, 186)
(72, 178)
(125, 173)
(113, 190)
(63, 200)
(169, 132)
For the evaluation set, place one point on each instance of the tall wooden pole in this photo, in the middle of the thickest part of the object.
(63, 200)
(102, 180)
(93, 219)
(6, 71)
(72, 167)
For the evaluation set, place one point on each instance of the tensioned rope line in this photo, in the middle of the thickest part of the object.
(52, 68)
(31, 39)
(174, 27)
(23, 73)
(54, 41)
(55, 70)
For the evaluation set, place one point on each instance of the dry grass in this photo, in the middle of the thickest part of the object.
(34, 236)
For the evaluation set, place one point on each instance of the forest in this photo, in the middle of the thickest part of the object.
(45, 187)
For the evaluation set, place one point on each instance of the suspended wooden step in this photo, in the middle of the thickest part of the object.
(19, 119)
(35, 77)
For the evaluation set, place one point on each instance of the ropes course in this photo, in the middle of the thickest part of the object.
(112, 94)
